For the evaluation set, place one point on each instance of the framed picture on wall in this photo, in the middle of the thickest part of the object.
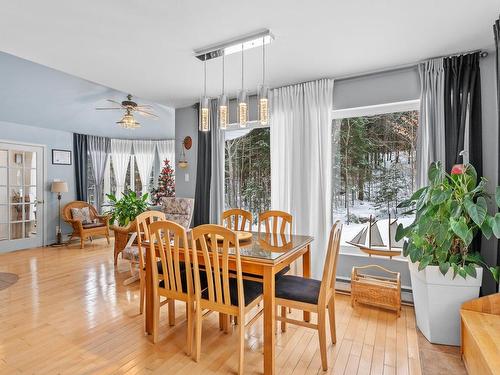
(61, 157)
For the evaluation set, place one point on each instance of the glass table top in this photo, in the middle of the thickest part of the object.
(271, 247)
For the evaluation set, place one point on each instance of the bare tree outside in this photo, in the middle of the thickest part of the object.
(373, 165)
(247, 179)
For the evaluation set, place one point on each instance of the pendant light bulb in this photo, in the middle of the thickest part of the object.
(242, 99)
(263, 91)
(204, 103)
(223, 104)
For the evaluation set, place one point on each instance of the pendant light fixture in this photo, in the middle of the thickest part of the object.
(204, 103)
(223, 104)
(242, 110)
(263, 91)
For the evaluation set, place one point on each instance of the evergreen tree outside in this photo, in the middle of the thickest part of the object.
(166, 184)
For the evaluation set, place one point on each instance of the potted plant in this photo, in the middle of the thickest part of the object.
(123, 212)
(445, 267)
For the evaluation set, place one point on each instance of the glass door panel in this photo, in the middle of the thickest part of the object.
(21, 196)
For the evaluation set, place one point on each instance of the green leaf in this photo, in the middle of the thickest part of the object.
(461, 229)
(495, 271)
(495, 225)
(462, 272)
(439, 196)
(405, 204)
(486, 227)
(424, 262)
(477, 211)
(471, 176)
(455, 270)
(441, 232)
(475, 258)
(405, 248)
(444, 267)
(416, 195)
(497, 196)
(400, 232)
(415, 253)
(435, 173)
(470, 270)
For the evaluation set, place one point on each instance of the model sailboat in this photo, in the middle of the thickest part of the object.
(370, 241)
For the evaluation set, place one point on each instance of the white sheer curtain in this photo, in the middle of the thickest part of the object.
(121, 149)
(166, 150)
(99, 152)
(430, 131)
(144, 152)
(301, 160)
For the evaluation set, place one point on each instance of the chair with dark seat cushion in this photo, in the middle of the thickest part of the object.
(226, 294)
(175, 283)
(298, 289)
(313, 295)
(135, 253)
(251, 290)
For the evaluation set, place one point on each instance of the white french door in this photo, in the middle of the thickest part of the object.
(21, 196)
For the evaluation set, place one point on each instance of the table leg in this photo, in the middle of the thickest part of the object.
(306, 272)
(149, 308)
(269, 321)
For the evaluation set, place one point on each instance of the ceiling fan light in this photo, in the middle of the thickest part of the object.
(128, 122)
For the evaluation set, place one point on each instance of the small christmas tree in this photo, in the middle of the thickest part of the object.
(166, 184)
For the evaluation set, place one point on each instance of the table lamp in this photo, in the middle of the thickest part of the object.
(59, 187)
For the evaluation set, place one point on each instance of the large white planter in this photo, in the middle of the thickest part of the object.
(437, 300)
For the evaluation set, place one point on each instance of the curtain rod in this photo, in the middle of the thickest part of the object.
(405, 66)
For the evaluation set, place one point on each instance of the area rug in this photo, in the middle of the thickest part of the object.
(7, 279)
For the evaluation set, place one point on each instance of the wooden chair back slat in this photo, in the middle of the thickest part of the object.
(276, 222)
(237, 219)
(143, 221)
(215, 243)
(166, 237)
(330, 266)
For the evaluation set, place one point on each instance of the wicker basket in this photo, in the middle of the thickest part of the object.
(122, 235)
(378, 291)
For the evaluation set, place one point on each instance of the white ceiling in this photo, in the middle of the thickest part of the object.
(145, 47)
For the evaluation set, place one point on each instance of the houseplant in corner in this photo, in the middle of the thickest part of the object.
(123, 212)
(445, 267)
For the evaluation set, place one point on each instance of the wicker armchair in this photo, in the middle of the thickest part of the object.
(99, 225)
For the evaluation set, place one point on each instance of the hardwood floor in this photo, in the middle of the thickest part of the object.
(70, 314)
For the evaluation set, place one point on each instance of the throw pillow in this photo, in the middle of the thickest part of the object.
(82, 214)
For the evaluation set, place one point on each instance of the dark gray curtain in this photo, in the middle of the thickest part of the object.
(80, 149)
(203, 177)
(99, 150)
(462, 106)
(496, 31)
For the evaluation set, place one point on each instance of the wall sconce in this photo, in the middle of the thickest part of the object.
(186, 145)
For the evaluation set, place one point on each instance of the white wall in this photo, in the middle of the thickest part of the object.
(51, 139)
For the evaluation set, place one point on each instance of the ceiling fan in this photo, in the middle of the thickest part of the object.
(129, 106)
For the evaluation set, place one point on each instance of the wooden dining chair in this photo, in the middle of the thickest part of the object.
(276, 225)
(224, 294)
(135, 252)
(275, 222)
(168, 240)
(313, 295)
(237, 219)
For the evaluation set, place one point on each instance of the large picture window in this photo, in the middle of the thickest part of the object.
(247, 177)
(373, 168)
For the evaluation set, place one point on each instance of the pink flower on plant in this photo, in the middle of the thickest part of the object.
(458, 169)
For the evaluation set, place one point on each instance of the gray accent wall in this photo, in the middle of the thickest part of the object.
(490, 155)
(52, 139)
(186, 124)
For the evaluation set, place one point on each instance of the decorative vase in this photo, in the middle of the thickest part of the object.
(437, 300)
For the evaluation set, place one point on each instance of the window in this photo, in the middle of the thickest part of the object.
(373, 163)
(247, 177)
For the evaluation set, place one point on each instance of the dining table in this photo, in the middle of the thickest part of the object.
(262, 255)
